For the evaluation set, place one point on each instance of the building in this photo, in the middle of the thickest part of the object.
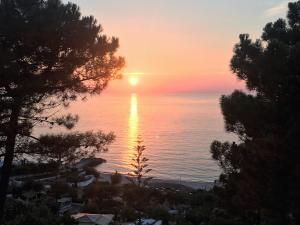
(64, 205)
(67, 206)
(149, 222)
(93, 219)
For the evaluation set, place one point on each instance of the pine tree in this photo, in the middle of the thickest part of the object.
(260, 179)
(139, 178)
(50, 55)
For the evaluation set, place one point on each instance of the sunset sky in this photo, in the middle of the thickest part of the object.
(180, 45)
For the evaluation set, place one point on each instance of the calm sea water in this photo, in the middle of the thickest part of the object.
(177, 131)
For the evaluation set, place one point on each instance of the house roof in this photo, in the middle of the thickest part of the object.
(99, 219)
(64, 199)
(149, 222)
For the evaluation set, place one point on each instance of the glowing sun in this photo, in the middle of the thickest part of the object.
(133, 81)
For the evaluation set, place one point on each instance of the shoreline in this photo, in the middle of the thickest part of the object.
(160, 182)
(164, 183)
(105, 176)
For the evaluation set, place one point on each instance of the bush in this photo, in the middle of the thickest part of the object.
(32, 185)
(91, 207)
(160, 214)
(35, 168)
(17, 213)
(128, 214)
(61, 188)
(101, 191)
(116, 178)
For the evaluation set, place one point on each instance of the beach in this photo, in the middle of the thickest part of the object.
(162, 183)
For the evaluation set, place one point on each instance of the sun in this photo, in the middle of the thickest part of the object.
(133, 78)
(133, 81)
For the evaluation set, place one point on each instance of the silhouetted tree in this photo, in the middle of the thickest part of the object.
(18, 213)
(261, 172)
(67, 149)
(49, 56)
(138, 177)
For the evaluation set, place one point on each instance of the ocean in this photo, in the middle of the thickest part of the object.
(177, 131)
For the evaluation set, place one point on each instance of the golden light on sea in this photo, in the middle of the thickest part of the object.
(133, 123)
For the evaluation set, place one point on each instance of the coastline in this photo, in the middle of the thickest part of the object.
(164, 183)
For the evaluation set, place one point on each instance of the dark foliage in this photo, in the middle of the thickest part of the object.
(116, 178)
(67, 149)
(17, 213)
(261, 173)
(50, 55)
(139, 165)
(34, 168)
(60, 189)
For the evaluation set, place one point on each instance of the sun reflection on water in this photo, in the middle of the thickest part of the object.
(133, 132)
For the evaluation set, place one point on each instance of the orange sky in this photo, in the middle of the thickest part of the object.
(172, 59)
(180, 46)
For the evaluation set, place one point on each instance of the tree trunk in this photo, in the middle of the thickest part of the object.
(9, 156)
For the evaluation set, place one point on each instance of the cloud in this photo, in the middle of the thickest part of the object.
(278, 9)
